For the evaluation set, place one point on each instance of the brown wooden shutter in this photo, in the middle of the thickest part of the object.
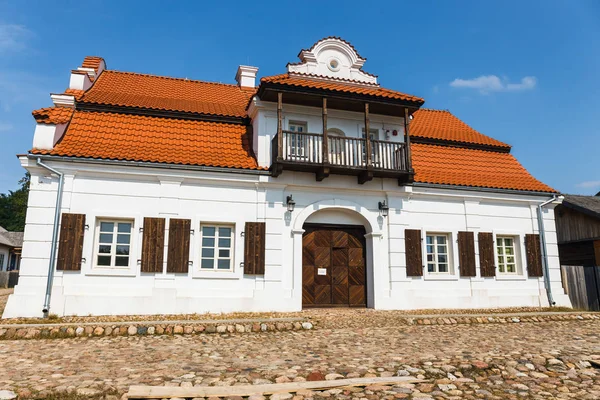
(153, 244)
(178, 254)
(70, 243)
(486, 254)
(254, 248)
(466, 253)
(413, 251)
(534, 255)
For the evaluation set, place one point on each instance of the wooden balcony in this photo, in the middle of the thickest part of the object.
(340, 155)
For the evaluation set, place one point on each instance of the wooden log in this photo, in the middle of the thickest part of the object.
(325, 145)
(279, 126)
(407, 140)
(368, 137)
(161, 392)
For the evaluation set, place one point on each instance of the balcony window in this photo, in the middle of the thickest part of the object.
(297, 143)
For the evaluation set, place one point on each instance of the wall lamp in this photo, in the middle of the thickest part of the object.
(384, 210)
(291, 204)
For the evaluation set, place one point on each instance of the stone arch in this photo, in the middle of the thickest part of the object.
(336, 132)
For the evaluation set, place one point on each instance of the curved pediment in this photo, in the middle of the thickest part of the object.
(333, 57)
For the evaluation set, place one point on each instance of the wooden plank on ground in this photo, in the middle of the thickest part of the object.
(161, 392)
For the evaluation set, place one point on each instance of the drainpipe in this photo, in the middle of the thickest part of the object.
(52, 262)
(544, 249)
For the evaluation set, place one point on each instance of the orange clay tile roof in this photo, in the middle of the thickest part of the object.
(92, 62)
(75, 92)
(442, 125)
(151, 139)
(338, 85)
(173, 94)
(53, 115)
(469, 167)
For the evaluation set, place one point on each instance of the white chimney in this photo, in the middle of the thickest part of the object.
(246, 76)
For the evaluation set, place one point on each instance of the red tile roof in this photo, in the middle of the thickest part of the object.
(172, 94)
(442, 125)
(75, 92)
(53, 115)
(338, 85)
(163, 140)
(92, 62)
(469, 167)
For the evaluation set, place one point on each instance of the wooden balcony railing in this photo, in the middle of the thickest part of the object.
(304, 152)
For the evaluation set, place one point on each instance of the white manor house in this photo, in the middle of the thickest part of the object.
(314, 188)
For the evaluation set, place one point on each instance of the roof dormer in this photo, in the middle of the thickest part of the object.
(334, 58)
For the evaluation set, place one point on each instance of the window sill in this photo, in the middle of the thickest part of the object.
(440, 277)
(215, 275)
(500, 277)
(110, 272)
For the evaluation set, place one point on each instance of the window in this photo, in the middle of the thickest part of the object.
(297, 141)
(507, 259)
(2, 262)
(114, 243)
(373, 135)
(217, 245)
(438, 257)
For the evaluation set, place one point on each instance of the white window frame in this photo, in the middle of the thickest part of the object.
(216, 248)
(96, 249)
(2, 257)
(297, 148)
(449, 254)
(516, 254)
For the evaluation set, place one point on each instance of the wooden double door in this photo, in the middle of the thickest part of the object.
(333, 266)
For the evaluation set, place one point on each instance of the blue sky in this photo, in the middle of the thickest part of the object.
(524, 72)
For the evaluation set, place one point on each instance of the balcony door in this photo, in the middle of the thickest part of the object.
(296, 144)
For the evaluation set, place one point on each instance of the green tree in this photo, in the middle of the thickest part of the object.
(13, 206)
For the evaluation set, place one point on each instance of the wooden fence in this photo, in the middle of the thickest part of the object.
(582, 284)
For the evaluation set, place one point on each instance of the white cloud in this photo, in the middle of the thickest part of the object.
(13, 37)
(589, 184)
(491, 83)
(5, 127)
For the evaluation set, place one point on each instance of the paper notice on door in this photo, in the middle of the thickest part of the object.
(322, 271)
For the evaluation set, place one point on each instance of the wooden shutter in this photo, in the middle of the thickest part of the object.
(254, 248)
(178, 254)
(153, 244)
(70, 243)
(414, 253)
(466, 253)
(534, 255)
(486, 254)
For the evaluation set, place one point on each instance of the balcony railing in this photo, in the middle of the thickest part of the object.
(305, 151)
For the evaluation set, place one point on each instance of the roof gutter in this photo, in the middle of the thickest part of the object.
(478, 189)
(52, 261)
(152, 165)
(542, 231)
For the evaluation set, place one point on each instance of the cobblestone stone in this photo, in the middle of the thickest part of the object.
(461, 361)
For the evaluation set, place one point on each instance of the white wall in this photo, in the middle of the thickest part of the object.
(133, 192)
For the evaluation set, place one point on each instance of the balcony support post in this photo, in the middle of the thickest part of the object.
(279, 126)
(325, 140)
(407, 141)
(323, 172)
(367, 175)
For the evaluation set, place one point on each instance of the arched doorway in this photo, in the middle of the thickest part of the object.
(334, 259)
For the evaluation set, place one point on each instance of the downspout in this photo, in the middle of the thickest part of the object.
(52, 262)
(544, 249)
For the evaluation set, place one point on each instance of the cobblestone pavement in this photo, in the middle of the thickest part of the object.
(496, 361)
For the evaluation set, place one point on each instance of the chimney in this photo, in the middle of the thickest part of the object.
(246, 76)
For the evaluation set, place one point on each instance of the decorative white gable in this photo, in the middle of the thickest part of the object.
(333, 57)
